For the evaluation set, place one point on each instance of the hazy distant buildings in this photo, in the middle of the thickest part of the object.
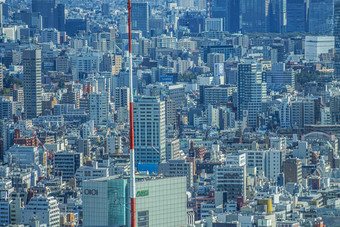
(254, 15)
(321, 16)
(277, 11)
(229, 11)
(45, 8)
(337, 39)
(296, 15)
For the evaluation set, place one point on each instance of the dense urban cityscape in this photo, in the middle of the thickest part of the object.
(170, 113)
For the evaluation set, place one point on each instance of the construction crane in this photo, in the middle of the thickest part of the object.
(43, 146)
(194, 93)
(155, 150)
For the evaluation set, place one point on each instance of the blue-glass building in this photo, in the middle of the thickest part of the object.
(321, 21)
(296, 15)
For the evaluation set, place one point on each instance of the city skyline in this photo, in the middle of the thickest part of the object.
(179, 113)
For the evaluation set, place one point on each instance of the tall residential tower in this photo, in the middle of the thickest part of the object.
(32, 83)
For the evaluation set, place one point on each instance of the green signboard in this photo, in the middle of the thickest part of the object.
(142, 193)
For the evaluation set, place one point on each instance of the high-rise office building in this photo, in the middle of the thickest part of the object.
(335, 108)
(229, 11)
(337, 38)
(296, 15)
(32, 83)
(277, 11)
(320, 21)
(59, 17)
(218, 95)
(254, 15)
(149, 123)
(251, 91)
(140, 17)
(67, 163)
(45, 8)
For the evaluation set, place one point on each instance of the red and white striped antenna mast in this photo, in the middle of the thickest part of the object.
(132, 136)
(208, 8)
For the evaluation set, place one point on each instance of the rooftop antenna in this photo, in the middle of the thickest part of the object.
(208, 8)
(132, 136)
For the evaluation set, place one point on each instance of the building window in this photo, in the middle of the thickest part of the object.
(143, 219)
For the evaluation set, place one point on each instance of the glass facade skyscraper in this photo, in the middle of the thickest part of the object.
(159, 202)
(296, 15)
(254, 15)
(45, 8)
(337, 38)
(140, 17)
(320, 21)
(229, 11)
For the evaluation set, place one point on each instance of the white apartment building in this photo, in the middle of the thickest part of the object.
(22, 155)
(99, 108)
(274, 161)
(44, 208)
(256, 159)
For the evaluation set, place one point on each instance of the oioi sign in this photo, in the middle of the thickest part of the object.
(91, 192)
